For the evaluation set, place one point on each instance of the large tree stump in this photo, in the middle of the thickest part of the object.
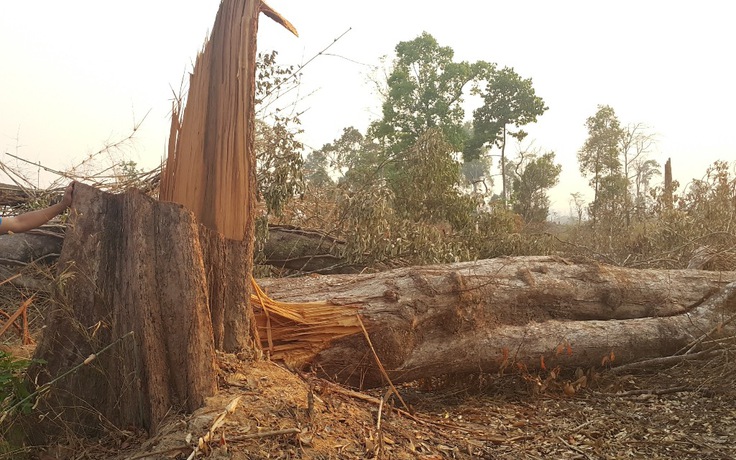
(489, 315)
(129, 264)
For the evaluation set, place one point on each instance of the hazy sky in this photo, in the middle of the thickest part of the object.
(76, 74)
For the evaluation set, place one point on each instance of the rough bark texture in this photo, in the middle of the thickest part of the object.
(305, 250)
(486, 316)
(668, 184)
(129, 263)
(287, 247)
(211, 164)
(227, 263)
(38, 248)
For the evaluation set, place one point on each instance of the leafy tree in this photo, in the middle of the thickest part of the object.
(425, 90)
(278, 152)
(335, 159)
(599, 158)
(279, 164)
(427, 191)
(533, 176)
(476, 174)
(317, 169)
(642, 172)
(508, 101)
(636, 142)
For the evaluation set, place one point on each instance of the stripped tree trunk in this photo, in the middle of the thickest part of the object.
(489, 315)
(143, 278)
(210, 167)
(129, 264)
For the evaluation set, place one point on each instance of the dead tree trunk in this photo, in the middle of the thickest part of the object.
(211, 162)
(486, 316)
(305, 250)
(129, 264)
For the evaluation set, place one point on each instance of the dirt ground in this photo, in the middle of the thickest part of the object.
(687, 411)
(682, 411)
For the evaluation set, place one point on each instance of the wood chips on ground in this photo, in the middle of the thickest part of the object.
(683, 412)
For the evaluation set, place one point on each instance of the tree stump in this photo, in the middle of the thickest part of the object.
(129, 264)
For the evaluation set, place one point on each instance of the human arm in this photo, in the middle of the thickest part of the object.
(33, 219)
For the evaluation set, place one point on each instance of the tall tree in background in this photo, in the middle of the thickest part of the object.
(642, 172)
(508, 101)
(425, 90)
(533, 176)
(336, 158)
(599, 159)
(636, 142)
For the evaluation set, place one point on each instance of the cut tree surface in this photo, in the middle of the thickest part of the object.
(489, 315)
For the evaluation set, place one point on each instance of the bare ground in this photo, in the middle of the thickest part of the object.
(683, 412)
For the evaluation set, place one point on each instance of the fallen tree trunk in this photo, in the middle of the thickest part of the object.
(305, 250)
(286, 247)
(489, 315)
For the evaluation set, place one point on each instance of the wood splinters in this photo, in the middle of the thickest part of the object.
(273, 14)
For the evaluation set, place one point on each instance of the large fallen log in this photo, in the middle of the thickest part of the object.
(490, 315)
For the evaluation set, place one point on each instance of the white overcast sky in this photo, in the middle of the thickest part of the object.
(76, 74)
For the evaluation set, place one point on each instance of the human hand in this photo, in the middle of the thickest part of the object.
(68, 195)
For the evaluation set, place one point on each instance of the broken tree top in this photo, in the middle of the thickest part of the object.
(210, 167)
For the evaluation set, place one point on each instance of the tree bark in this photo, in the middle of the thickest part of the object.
(287, 247)
(129, 264)
(489, 315)
(228, 264)
(305, 250)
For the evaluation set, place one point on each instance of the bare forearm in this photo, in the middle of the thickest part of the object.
(33, 219)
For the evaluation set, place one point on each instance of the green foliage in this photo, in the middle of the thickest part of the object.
(12, 383)
(599, 158)
(711, 201)
(532, 178)
(278, 152)
(336, 158)
(643, 172)
(408, 212)
(477, 175)
(425, 90)
(279, 163)
(426, 185)
(664, 236)
(508, 100)
(399, 194)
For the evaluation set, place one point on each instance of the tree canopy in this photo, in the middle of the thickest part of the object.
(425, 90)
(508, 101)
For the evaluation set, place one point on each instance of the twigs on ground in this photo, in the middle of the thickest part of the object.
(656, 391)
(663, 361)
(264, 434)
(202, 443)
(14, 316)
